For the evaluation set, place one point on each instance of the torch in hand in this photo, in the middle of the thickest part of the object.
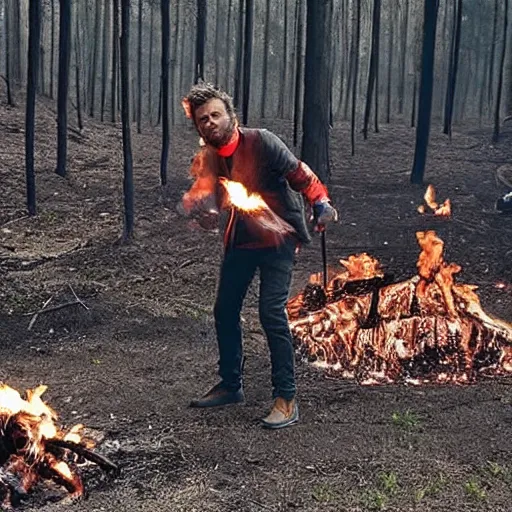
(323, 213)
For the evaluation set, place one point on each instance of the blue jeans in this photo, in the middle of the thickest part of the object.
(237, 272)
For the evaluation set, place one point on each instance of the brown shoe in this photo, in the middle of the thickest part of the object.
(283, 413)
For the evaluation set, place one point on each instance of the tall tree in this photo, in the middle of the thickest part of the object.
(7, 23)
(403, 55)
(390, 62)
(105, 58)
(94, 62)
(266, 50)
(426, 87)
(299, 38)
(239, 55)
(34, 39)
(497, 106)
(219, 22)
(200, 41)
(139, 69)
(374, 64)
(150, 59)
(315, 121)
(115, 58)
(77, 70)
(493, 53)
(52, 46)
(63, 85)
(453, 69)
(355, 72)
(166, 25)
(125, 118)
(249, 21)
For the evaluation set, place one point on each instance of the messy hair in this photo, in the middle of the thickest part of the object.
(201, 93)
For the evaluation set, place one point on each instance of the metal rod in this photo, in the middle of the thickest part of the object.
(324, 258)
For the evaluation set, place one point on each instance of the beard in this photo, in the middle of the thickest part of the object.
(220, 136)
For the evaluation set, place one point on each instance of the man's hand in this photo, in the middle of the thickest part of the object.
(323, 213)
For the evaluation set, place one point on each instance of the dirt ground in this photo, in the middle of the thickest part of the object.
(128, 366)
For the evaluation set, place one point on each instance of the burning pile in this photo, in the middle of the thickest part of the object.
(425, 329)
(32, 448)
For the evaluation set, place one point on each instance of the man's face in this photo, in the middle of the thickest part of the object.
(214, 123)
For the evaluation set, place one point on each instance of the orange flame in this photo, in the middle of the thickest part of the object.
(424, 329)
(444, 210)
(263, 222)
(30, 423)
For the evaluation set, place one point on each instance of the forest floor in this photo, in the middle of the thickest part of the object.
(129, 365)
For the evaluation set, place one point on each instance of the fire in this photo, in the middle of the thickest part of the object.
(241, 199)
(425, 329)
(261, 221)
(444, 210)
(33, 448)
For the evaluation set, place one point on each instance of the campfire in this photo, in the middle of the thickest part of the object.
(444, 210)
(425, 329)
(33, 448)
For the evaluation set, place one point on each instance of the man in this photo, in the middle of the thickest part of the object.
(260, 161)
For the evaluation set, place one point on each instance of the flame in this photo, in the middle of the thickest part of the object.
(241, 199)
(444, 210)
(263, 222)
(26, 426)
(425, 329)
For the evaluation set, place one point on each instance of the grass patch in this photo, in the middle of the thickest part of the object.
(324, 493)
(475, 490)
(407, 420)
(433, 488)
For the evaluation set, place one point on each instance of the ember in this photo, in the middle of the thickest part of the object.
(32, 448)
(444, 210)
(425, 329)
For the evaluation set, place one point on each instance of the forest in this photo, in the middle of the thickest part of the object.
(403, 109)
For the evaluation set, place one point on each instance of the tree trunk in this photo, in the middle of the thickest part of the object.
(298, 71)
(139, 69)
(228, 47)
(390, 66)
(63, 85)
(426, 88)
(8, 64)
(239, 56)
(77, 71)
(34, 37)
(315, 121)
(125, 118)
(41, 81)
(403, 53)
(52, 47)
(150, 63)
(166, 22)
(452, 74)
(173, 70)
(493, 53)
(264, 73)
(94, 65)
(284, 65)
(497, 107)
(105, 57)
(200, 40)
(249, 20)
(373, 69)
(115, 63)
(217, 50)
(355, 71)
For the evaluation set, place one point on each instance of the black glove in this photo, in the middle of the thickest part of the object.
(323, 213)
